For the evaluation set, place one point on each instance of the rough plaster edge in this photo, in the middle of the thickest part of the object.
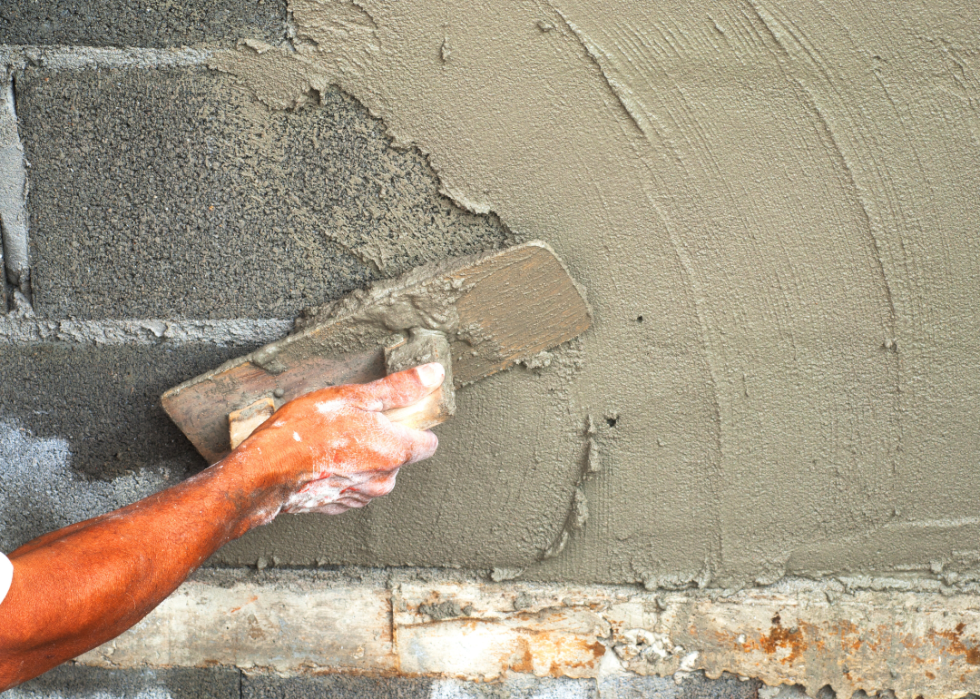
(88, 57)
(21, 328)
(794, 633)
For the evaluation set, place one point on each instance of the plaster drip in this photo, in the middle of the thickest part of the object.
(25, 329)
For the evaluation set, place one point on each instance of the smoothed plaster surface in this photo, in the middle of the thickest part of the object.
(773, 207)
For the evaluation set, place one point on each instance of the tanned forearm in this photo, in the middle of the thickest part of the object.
(328, 451)
(75, 588)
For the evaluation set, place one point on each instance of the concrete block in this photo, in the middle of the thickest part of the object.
(153, 23)
(340, 686)
(694, 686)
(174, 194)
(334, 687)
(516, 687)
(697, 686)
(103, 401)
(179, 683)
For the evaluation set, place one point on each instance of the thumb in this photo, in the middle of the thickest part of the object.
(401, 389)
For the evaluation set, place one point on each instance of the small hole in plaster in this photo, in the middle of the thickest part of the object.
(611, 421)
(639, 319)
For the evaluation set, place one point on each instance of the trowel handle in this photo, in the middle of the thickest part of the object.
(418, 347)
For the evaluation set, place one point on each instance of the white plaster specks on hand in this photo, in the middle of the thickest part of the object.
(328, 407)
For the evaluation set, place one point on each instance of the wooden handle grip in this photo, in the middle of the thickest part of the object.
(420, 347)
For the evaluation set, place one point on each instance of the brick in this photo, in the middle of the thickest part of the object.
(178, 683)
(148, 23)
(173, 193)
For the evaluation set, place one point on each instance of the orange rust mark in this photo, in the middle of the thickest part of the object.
(930, 675)
(525, 663)
(779, 637)
(232, 611)
(956, 645)
(559, 669)
(850, 636)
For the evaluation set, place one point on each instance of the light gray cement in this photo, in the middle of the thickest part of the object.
(87, 57)
(13, 192)
(80, 682)
(152, 23)
(24, 328)
(41, 492)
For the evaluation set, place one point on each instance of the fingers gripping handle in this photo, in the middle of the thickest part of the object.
(421, 347)
(418, 347)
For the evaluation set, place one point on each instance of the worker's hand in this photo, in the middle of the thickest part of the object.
(334, 449)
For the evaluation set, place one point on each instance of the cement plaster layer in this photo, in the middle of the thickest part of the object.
(152, 23)
(103, 404)
(773, 206)
(173, 194)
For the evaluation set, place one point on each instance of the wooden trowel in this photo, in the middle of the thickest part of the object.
(475, 315)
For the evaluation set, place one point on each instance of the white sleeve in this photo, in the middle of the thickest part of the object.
(6, 573)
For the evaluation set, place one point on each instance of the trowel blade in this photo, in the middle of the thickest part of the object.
(496, 308)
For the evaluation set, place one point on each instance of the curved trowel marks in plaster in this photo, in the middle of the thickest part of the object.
(773, 205)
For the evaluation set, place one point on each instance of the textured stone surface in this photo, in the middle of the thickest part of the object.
(217, 683)
(104, 401)
(175, 194)
(149, 23)
(334, 687)
(70, 681)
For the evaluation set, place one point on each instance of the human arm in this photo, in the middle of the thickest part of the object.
(80, 586)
